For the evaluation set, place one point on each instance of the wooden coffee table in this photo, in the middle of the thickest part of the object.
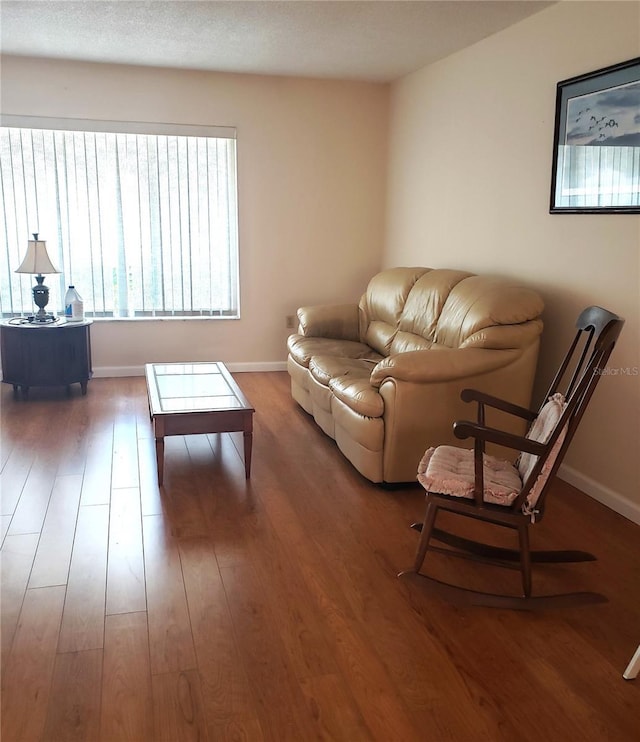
(192, 398)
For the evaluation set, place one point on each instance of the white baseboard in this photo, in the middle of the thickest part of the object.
(104, 372)
(599, 492)
(238, 368)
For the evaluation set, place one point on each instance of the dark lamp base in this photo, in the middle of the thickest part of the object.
(41, 299)
(40, 319)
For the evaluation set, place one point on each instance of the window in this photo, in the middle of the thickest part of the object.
(597, 176)
(142, 219)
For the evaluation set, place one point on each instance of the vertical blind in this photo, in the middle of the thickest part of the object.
(143, 224)
(597, 176)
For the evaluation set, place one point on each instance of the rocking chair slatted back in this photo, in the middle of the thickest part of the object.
(597, 333)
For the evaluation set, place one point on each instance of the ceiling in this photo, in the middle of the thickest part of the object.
(375, 40)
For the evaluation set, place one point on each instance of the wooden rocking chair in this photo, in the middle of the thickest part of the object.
(474, 484)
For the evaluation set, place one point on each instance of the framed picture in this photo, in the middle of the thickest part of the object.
(596, 146)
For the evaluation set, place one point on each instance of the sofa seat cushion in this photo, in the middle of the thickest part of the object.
(358, 394)
(302, 349)
(325, 368)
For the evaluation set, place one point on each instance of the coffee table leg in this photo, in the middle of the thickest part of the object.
(248, 442)
(160, 458)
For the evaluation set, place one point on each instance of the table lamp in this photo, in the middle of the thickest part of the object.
(37, 262)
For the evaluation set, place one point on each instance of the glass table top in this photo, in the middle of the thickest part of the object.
(192, 387)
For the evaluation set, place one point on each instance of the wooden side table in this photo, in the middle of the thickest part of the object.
(55, 354)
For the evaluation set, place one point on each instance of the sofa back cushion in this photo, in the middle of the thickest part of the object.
(480, 302)
(419, 318)
(382, 304)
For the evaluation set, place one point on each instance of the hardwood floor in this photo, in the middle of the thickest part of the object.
(218, 608)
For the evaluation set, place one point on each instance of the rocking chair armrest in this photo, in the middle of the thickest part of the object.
(475, 395)
(466, 429)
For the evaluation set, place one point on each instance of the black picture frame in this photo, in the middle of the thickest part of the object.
(596, 143)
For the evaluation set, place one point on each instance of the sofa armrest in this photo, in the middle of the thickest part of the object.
(431, 366)
(338, 321)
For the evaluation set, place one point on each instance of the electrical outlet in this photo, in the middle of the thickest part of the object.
(289, 321)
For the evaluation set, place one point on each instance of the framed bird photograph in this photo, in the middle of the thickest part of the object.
(596, 146)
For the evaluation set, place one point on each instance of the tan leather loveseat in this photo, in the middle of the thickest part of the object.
(383, 377)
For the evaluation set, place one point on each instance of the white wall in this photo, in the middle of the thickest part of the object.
(311, 180)
(469, 177)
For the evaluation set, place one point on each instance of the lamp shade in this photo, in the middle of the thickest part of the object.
(36, 261)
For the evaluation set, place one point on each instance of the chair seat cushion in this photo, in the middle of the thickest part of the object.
(449, 470)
